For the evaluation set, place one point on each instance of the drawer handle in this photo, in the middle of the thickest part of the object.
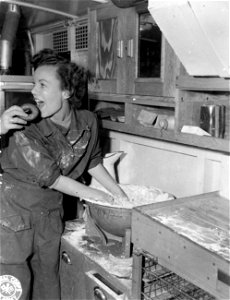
(99, 295)
(66, 258)
(102, 284)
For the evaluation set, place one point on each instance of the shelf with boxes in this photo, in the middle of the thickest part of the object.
(204, 103)
(158, 117)
(149, 116)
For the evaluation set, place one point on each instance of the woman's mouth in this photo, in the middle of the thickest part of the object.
(40, 104)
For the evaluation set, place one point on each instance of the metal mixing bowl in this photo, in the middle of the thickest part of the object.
(114, 220)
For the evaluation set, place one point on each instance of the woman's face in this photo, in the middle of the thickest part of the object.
(47, 91)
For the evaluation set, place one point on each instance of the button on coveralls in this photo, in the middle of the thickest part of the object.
(31, 213)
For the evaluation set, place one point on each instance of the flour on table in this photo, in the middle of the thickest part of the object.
(210, 238)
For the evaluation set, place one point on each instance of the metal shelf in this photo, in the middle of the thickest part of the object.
(160, 283)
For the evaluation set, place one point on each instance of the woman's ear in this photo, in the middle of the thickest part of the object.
(66, 94)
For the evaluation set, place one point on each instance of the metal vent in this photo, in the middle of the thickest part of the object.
(60, 41)
(81, 37)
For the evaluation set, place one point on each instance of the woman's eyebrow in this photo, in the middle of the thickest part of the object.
(42, 79)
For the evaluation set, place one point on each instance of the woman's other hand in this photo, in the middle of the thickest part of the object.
(12, 119)
(108, 182)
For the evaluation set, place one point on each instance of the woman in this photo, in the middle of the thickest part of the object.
(42, 161)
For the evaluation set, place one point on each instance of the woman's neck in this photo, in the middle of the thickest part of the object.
(63, 116)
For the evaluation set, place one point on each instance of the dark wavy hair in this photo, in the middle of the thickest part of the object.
(72, 77)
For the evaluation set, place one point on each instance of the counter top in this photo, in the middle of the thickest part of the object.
(206, 223)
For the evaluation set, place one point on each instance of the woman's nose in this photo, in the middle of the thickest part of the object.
(33, 91)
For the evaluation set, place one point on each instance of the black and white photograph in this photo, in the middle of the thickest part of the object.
(114, 150)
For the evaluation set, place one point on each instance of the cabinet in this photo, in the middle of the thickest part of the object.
(114, 52)
(108, 32)
(131, 98)
(86, 270)
(72, 273)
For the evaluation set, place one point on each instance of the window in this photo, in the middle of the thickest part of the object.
(81, 37)
(149, 47)
(60, 41)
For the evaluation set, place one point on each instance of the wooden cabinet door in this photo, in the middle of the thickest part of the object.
(110, 30)
(72, 279)
(114, 54)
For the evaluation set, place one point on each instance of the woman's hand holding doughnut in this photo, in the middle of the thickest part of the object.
(16, 117)
(12, 118)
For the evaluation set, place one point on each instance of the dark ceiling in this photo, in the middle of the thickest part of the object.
(33, 17)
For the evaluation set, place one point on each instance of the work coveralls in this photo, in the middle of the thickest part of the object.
(31, 213)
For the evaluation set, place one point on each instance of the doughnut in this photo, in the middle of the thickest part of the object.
(31, 110)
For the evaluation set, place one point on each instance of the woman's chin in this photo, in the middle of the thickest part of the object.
(44, 116)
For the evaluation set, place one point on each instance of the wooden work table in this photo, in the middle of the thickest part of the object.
(189, 236)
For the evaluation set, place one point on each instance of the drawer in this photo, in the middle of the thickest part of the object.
(100, 288)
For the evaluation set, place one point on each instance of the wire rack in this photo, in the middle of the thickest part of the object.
(159, 283)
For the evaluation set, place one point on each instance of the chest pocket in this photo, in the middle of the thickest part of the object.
(75, 148)
(67, 150)
(80, 146)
